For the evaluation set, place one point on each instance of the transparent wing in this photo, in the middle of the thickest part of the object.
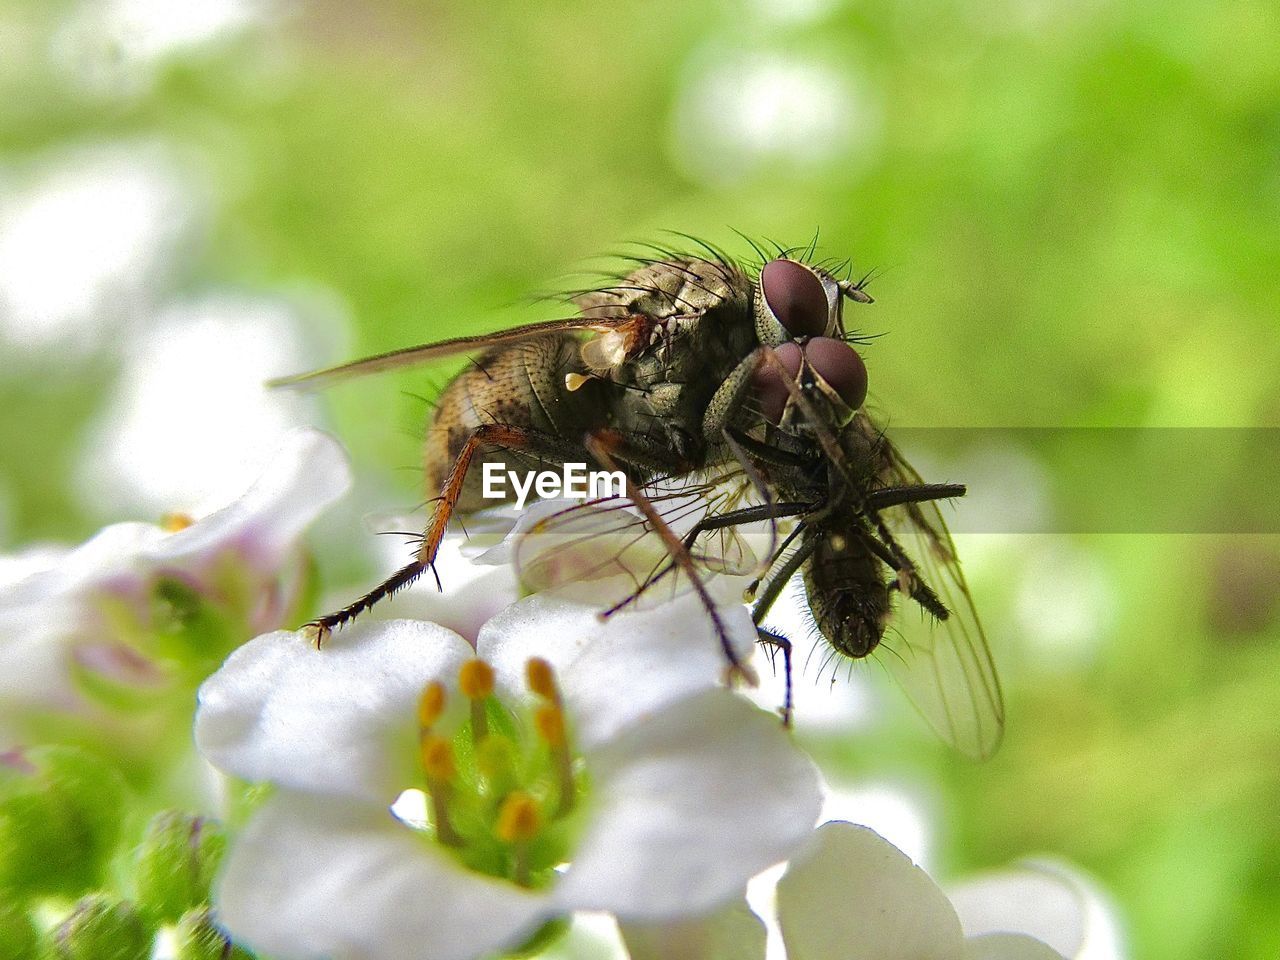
(426, 352)
(944, 666)
(607, 552)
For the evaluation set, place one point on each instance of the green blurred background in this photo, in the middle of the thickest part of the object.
(1073, 209)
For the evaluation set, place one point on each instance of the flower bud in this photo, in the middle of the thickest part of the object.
(60, 810)
(102, 928)
(197, 938)
(175, 865)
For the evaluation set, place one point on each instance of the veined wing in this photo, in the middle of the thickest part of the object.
(426, 352)
(605, 551)
(944, 666)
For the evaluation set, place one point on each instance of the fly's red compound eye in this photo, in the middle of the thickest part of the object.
(796, 297)
(840, 366)
(770, 389)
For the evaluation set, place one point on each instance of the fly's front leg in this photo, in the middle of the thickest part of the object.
(489, 434)
(730, 395)
(764, 511)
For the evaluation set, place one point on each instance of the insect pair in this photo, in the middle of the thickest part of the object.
(709, 384)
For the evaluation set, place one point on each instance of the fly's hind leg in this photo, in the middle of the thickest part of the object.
(890, 551)
(908, 580)
(489, 434)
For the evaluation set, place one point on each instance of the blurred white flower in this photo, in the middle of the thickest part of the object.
(114, 47)
(84, 243)
(743, 111)
(854, 896)
(70, 612)
(731, 933)
(1044, 898)
(1065, 603)
(191, 420)
(400, 830)
(899, 811)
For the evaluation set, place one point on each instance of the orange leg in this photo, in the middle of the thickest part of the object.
(494, 434)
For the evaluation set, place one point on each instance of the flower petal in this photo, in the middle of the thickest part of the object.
(310, 472)
(854, 896)
(732, 933)
(472, 593)
(1008, 946)
(320, 877)
(33, 664)
(121, 559)
(688, 806)
(340, 720)
(39, 558)
(110, 559)
(1035, 902)
(619, 672)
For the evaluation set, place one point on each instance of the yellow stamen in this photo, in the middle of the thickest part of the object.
(549, 722)
(173, 522)
(431, 704)
(475, 679)
(437, 759)
(519, 820)
(542, 679)
(440, 769)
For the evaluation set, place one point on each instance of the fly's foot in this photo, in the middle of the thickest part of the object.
(317, 632)
(775, 642)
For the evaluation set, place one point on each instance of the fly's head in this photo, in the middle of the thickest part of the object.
(794, 300)
(815, 385)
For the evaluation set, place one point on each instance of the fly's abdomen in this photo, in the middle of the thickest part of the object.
(847, 593)
(520, 386)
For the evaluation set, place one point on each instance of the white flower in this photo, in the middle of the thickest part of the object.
(854, 896)
(662, 792)
(731, 933)
(90, 612)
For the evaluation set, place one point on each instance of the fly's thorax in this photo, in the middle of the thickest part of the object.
(862, 455)
(675, 286)
(847, 592)
(667, 386)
